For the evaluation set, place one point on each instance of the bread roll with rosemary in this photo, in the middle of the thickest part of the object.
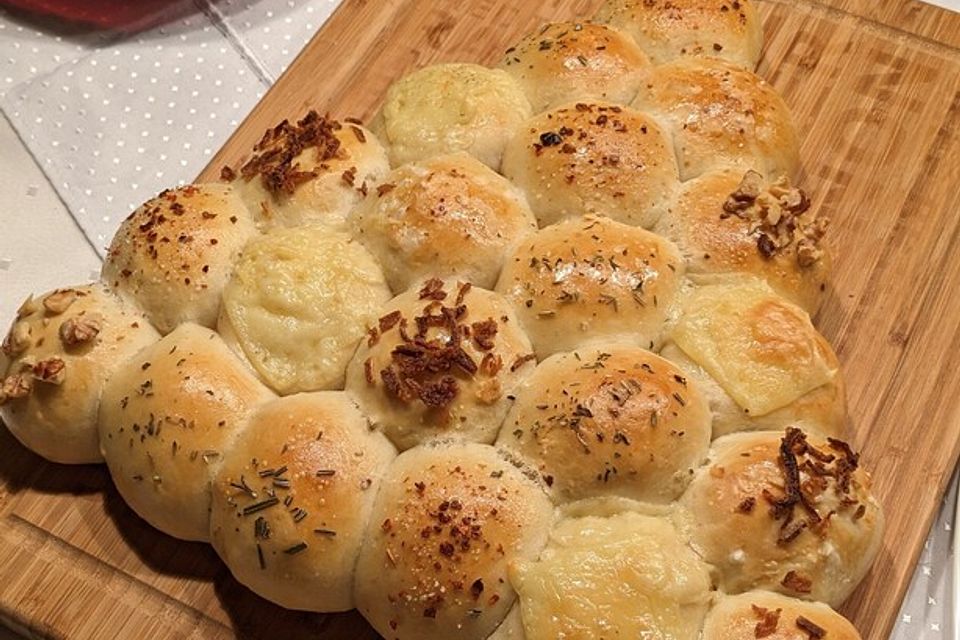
(167, 417)
(293, 497)
(447, 216)
(174, 254)
(448, 521)
(593, 157)
(764, 614)
(62, 347)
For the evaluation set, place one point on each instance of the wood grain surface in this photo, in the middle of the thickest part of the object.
(875, 89)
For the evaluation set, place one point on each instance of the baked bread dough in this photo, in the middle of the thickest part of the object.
(764, 614)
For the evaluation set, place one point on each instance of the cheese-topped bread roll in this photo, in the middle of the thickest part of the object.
(174, 254)
(764, 614)
(450, 107)
(624, 576)
(62, 347)
(731, 222)
(293, 496)
(721, 114)
(447, 216)
(298, 303)
(448, 521)
(313, 171)
(595, 157)
(610, 421)
(564, 61)
(669, 29)
(592, 279)
(442, 361)
(166, 418)
(787, 512)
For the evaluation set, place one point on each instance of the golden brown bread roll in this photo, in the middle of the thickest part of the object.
(592, 279)
(610, 421)
(565, 61)
(174, 254)
(764, 614)
(166, 418)
(668, 29)
(293, 497)
(593, 157)
(447, 522)
(62, 347)
(446, 216)
(787, 512)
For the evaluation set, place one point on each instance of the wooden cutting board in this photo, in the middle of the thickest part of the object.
(875, 88)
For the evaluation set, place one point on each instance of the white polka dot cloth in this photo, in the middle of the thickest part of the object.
(112, 118)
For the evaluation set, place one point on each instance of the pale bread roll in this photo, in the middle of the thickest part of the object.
(174, 254)
(565, 61)
(758, 358)
(62, 347)
(610, 421)
(668, 29)
(298, 303)
(167, 417)
(764, 614)
(730, 222)
(721, 114)
(447, 523)
(313, 171)
(450, 107)
(593, 157)
(447, 216)
(627, 575)
(590, 280)
(442, 361)
(293, 497)
(786, 512)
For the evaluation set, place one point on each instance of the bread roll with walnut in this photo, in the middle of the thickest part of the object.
(764, 614)
(592, 280)
(293, 497)
(448, 216)
(441, 362)
(448, 521)
(593, 157)
(610, 421)
(174, 254)
(298, 303)
(167, 417)
(787, 512)
(565, 61)
(669, 29)
(310, 172)
(62, 347)
(450, 107)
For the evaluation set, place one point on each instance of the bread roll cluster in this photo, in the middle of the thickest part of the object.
(531, 357)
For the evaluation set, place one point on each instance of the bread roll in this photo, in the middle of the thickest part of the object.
(595, 157)
(443, 361)
(786, 512)
(731, 222)
(312, 172)
(167, 417)
(174, 254)
(721, 114)
(293, 497)
(450, 107)
(447, 522)
(564, 61)
(668, 29)
(62, 347)
(298, 303)
(446, 216)
(625, 576)
(592, 280)
(610, 421)
(763, 614)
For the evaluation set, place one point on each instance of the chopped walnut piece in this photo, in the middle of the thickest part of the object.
(51, 370)
(16, 386)
(17, 340)
(768, 621)
(59, 301)
(27, 307)
(80, 329)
